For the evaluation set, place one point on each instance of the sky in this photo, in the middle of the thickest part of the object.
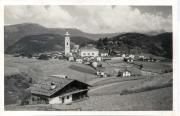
(94, 19)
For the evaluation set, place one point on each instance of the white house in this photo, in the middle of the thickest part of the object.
(100, 72)
(99, 58)
(89, 51)
(103, 53)
(126, 73)
(79, 60)
(71, 58)
(131, 56)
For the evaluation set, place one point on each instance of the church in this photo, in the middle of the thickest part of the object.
(89, 51)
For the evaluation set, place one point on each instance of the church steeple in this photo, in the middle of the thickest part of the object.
(67, 43)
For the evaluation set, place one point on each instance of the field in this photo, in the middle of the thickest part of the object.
(18, 71)
(159, 99)
(105, 94)
(40, 69)
(156, 66)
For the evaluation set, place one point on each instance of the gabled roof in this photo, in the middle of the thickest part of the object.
(131, 70)
(44, 88)
(103, 51)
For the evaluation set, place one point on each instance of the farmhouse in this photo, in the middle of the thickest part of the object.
(56, 90)
(122, 72)
(103, 53)
(89, 51)
(71, 58)
(125, 73)
(129, 59)
(79, 60)
(100, 72)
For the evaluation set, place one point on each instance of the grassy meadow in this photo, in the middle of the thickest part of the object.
(106, 93)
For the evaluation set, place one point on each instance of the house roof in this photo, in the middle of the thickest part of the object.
(100, 69)
(89, 48)
(130, 69)
(44, 88)
(103, 51)
(70, 93)
(124, 69)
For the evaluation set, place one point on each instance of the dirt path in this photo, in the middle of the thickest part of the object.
(96, 88)
(96, 80)
(104, 86)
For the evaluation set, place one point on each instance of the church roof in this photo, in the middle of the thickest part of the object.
(89, 48)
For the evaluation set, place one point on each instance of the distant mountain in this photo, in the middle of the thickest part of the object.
(34, 38)
(160, 45)
(43, 43)
(13, 33)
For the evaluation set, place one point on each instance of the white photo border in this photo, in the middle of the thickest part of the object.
(176, 55)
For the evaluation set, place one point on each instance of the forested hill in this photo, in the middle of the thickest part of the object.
(43, 43)
(160, 45)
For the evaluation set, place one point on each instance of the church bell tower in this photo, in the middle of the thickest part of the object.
(67, 43)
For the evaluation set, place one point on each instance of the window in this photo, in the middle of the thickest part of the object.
(67, 43)
(84, 54)
(88, 54)
(92, 53)
(67, 97)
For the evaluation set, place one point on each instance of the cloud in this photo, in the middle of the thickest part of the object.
(92, 19)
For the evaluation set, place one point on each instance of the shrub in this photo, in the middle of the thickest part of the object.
(43, 57)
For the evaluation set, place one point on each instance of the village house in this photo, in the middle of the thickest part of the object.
(78, 60)
(131, 56)
(98, 59)
(88, 51)
(71, 58)
(104, 53)
(96, 64)
(57, 90)
(100, 72)
(129, 59)
(126, 72)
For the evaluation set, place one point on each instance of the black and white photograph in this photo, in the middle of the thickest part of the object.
(88, 58)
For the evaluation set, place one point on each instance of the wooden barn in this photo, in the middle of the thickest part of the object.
(57, 90)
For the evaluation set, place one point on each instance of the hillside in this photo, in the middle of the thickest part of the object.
(43, 43)
(160, 45)
(20, 72)
(17, 40)
(12, 33)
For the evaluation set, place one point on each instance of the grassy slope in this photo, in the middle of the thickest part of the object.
(156, 66)
(160, 99)
(113, 87)
(38, 70)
